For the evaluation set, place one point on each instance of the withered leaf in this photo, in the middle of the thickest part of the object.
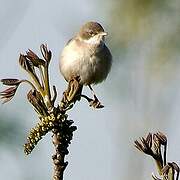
(34, 58)
(26, 64)
(31, 54)
(47, 54)
(10, 81)
(35, 98)
(8, 94)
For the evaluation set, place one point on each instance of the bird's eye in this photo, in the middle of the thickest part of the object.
(91, 33)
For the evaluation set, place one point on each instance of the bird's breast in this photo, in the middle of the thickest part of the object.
(79, 59)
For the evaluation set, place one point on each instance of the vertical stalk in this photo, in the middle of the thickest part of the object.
(58, 157)
(47, 97)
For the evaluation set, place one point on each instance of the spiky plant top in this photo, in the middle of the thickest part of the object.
(41, 98)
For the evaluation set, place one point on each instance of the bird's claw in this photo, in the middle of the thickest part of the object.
(95, 103)
(70, 95)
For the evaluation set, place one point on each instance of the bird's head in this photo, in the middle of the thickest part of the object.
(92, 33)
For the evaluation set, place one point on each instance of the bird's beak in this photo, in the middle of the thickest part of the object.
(103, 33)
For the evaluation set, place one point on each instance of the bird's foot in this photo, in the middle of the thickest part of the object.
(95, 103)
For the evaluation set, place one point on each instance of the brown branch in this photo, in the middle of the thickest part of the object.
(63, 131)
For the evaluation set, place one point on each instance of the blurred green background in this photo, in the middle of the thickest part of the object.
(141, 94)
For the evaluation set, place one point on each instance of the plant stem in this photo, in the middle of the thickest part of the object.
(28, 82)
(46, 83)
(58, 157)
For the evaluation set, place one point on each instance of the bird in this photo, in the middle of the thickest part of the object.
(86, 56)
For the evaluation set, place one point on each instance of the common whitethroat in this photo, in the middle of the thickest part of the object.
(86, 56)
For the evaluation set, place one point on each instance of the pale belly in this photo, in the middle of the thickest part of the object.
(91, 68)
